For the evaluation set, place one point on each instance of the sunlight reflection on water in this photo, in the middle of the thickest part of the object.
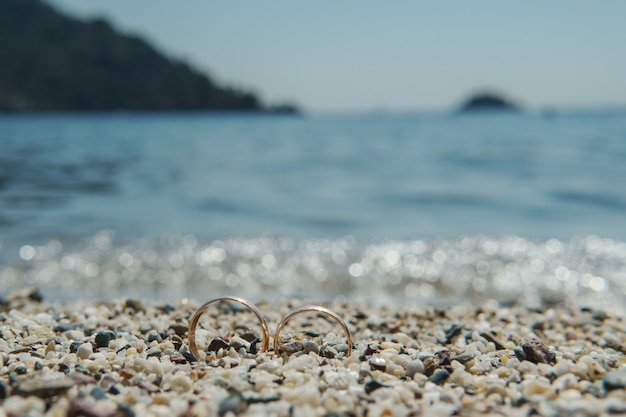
(589, 270)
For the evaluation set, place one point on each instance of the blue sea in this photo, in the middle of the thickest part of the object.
(389, 208)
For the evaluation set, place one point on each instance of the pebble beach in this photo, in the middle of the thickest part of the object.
(130, 357)
(479, 263)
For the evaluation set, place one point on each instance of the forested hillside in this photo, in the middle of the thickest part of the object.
(49, 61)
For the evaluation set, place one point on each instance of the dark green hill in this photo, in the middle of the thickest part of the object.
(49, 61)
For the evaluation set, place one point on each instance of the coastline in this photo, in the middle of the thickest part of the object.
(130, 357)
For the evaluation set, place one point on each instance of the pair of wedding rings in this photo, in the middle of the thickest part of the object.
(266, 334)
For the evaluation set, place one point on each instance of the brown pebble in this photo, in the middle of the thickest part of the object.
(82, 407)
(178, 358)
(291, 347)
(135, 305)
(490, 338)
(431, 364)
(127, 373)
(217, 344)
(536, 351)
(179, 329)
(43, 388)
(369, 350)
(82, 379)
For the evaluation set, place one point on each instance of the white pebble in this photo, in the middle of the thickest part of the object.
(18, 406)
(579, 369)
(301, 363)
(178, 406)
(570, 394)
(84, 351)
(528, 368)
(440, 409)
(74, 335)
(148, 366)
(178, 382)
(160, 411)
(273, 366)
(414, 367)
(536, 390)
(561, 368)
(69, 359)
(513, 363)
(304, 394)
(262, 379)
(339, 379)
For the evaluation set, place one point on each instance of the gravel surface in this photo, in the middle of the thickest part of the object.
(130, 357)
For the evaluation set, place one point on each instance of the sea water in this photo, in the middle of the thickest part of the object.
(424, 208)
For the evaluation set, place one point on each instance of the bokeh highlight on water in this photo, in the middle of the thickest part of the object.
(385, 208)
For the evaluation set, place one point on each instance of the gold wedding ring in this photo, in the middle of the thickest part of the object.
(194, 322)
(316, 309)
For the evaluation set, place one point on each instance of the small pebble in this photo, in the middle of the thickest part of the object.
(21, 370)
(378, 364)
(439, 376)
(238, 343)
(177, 357)
(74, 346)
(154, 352)
(4, 391)
(217, 344)
(291, 347)
(104, 337)
(535, 389)
(372, 386)
(75, 335)
(154, 337)
(84, 351)
(414, 367)
(452, 332)
(536, 351)
(179, 329)
(614, 380)
(328, 351)
(189, 357)
(135, 305)
(310, 346)
(234, 403)
(43, 388)
(98, 393)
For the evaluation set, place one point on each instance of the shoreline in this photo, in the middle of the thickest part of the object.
(130, 357)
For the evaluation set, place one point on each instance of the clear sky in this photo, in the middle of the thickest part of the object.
(328, 55)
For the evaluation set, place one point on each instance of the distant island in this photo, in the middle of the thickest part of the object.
(487, 102)
(52, 62)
